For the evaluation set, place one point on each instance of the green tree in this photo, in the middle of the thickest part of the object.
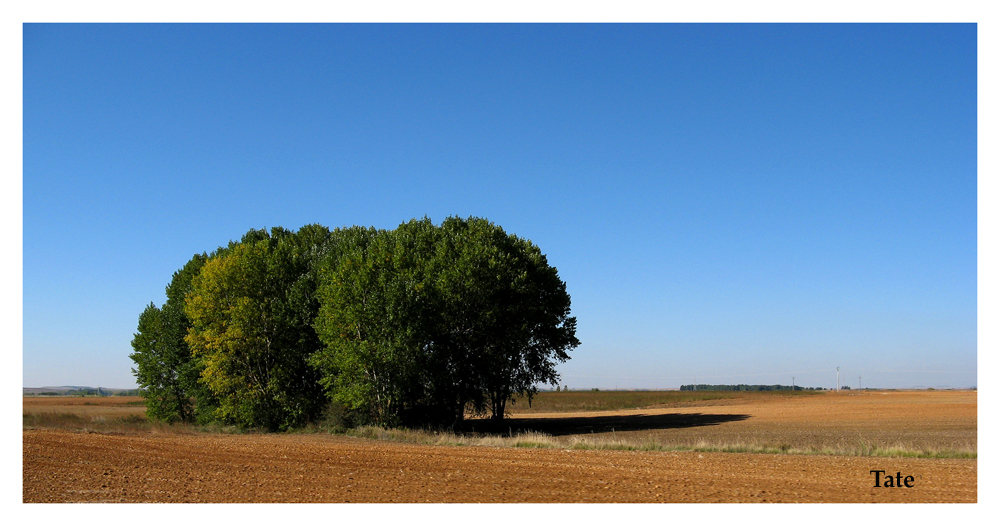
(164, 398)
(423, 322)
(164, 368)
(252, 307)
(367, 324)
(507, 312)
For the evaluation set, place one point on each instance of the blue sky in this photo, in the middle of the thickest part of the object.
(726, 203)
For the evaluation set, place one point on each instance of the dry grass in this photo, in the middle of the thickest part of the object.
(86, 406)
(534, 439)
(122, 425)
(128, 424)
(110, 414)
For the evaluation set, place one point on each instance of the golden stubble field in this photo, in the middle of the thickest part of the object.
(86, 406)
(162, 465)
(845, 422)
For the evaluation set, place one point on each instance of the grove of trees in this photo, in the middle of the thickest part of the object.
(414, 326)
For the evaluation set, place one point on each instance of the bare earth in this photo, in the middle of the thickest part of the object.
(63, 466)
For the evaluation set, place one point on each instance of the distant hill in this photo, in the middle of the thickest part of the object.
(77, 390)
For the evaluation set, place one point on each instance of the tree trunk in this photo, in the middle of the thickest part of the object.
(499, 407)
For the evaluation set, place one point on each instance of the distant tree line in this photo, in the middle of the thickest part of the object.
(89, 391)
(412, 326)
(745, 387)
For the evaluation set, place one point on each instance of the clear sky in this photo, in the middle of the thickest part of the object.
(726, 203)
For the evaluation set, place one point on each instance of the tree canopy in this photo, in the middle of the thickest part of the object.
(413, 326)
(426, 322)
(251, 310)
(165, 369)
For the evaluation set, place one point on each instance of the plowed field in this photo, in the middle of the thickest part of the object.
(73, 467)
(65, 466)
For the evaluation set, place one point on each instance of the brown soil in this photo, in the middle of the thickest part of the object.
(61, 466)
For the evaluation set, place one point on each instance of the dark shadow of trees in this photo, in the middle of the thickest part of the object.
(578, 425)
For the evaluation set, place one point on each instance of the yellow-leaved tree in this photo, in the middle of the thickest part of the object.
(251, 309)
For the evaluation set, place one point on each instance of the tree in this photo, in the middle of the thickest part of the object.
(507, 314)
(251, 308)
(164, 399)
(424, 322)
(164, 368)
(412, 326)
(370, 328)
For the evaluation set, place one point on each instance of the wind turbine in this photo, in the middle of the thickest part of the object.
(838, 378)
(859, 382)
